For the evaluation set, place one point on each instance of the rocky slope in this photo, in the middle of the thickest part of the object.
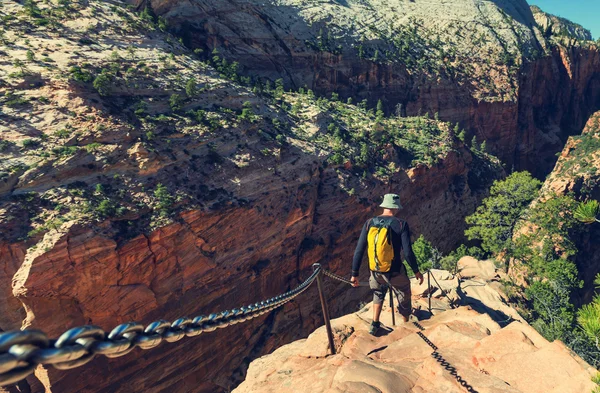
(577, 172)
(484, 64)
(138, 182)
(490, 347)
(555, 25)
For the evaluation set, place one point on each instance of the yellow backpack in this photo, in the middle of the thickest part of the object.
(380, 248)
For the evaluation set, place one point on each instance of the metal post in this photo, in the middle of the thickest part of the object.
(325, 309)
(429, 289)
(392, 307)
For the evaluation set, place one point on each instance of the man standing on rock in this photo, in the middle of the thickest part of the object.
(384, 237)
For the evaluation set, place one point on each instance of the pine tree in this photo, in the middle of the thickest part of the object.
(379, 112)
(474, 145)
(191, 88)
(494, 220)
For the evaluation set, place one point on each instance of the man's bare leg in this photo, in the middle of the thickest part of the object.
(376, 312)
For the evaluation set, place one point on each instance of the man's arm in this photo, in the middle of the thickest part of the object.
(360, 250)
(409, 255)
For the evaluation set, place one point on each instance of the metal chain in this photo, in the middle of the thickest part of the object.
(342, 279)
(22, 350)
(443, 362)
(441, 289)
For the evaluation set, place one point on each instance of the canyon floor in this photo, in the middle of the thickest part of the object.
(487, 343)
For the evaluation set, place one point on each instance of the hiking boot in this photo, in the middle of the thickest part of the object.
(374, 327)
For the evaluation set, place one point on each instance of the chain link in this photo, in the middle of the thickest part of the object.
(22, 351)
(443, 362)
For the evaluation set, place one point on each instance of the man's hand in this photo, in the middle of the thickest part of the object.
(354, 281)
(419, 277)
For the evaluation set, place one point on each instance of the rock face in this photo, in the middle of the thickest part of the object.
(578, 171)
(555, 25)
(144, 200)
(490, 353)
(520, 92)
(188, 269)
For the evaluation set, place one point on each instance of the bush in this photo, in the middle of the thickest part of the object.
(102, 84)
(164, 199)
(175, 102)
(191, 88)
(78, 74)
(427, 256)
(494, 221)
(30, 143)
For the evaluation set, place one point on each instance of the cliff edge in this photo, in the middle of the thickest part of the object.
(484, 340)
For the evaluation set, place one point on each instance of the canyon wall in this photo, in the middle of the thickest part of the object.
(215, 260)
(525, 114)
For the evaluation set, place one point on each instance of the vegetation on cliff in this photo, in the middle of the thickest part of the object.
(111, 121)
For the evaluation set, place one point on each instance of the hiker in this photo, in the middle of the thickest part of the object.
(384, 237)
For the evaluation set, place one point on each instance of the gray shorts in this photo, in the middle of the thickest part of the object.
(400, 282)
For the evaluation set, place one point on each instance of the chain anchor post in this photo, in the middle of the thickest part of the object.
(324, 307)
(429, 290)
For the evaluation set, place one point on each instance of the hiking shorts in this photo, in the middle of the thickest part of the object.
(399, 281)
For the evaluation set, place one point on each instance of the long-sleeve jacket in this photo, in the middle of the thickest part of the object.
(400, 242)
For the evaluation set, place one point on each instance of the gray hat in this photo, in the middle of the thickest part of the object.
(391, 201)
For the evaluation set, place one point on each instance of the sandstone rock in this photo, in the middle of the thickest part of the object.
(524, 117)
(492, 359)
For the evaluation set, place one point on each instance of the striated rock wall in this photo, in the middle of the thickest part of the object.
(525, 113)
(578, 172)
(215, 260)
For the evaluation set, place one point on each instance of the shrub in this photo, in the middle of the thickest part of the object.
(191, 88)
(30, 143)
(494, 221)
(587, 212)
(175, 102)
(427, 256)
(164, 199)
(102, 84)
(65, 151)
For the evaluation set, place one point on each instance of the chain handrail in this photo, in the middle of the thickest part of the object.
(21, 351)
(443, 362)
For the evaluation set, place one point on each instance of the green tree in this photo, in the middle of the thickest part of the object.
(494, 221)
(588, 317)
(427, 256)
(20, 65)
(30, 56)
(474, 145)
(175, 102)
(379, 112)
(191, 88)
(163, 198)
(102, 84)
(588, 212)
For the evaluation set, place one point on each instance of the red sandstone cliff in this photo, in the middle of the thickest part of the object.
(248, 201)
(525, 109)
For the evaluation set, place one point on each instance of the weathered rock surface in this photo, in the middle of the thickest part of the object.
(552, 24)
(578, 172)
(483, 64)
(490, 354)
(84, 237)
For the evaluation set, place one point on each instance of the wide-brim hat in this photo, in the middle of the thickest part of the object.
(391, 201)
